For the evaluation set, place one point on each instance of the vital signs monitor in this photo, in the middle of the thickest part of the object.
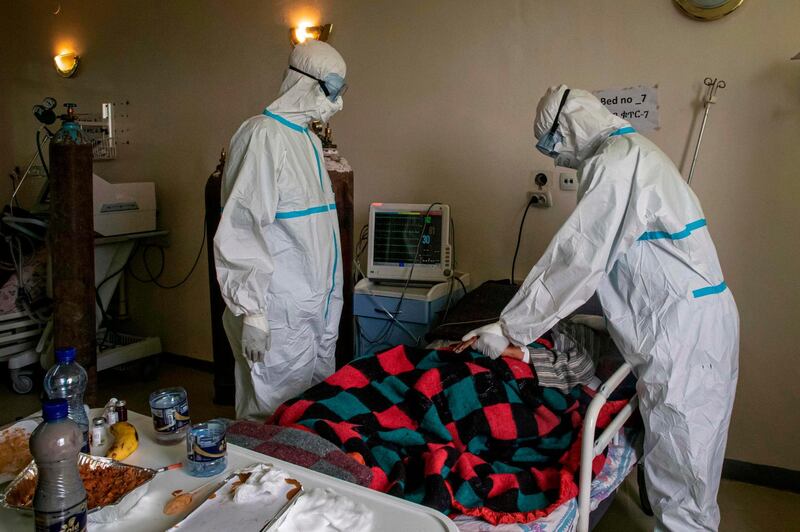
(409, 243)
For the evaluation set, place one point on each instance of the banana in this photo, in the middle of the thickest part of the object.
(126, 441)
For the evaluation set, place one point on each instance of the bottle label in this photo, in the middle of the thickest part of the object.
(69, 520)
(172, 418)
(205, 449)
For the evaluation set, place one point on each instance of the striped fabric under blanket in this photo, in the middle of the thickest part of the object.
(570, 358)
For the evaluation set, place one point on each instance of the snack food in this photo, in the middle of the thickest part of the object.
(103, 485)
(126, 441)
(14, 452)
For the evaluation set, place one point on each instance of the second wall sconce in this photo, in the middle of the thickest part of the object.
(302, 33)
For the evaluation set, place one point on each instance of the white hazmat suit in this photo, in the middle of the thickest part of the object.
(277, 247)
(638, 237)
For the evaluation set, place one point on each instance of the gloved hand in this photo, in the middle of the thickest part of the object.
(255, 337)
(598, 323)
(490, 340)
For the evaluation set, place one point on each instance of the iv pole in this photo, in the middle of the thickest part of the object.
(711, 97)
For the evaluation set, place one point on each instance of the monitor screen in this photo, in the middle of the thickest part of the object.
(397, 234)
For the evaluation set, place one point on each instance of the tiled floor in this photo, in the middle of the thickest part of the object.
(744, 507)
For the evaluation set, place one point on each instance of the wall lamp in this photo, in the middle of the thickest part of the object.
(304, 32)
(66, 64)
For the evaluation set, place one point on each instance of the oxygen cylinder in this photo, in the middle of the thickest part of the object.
(72, 245)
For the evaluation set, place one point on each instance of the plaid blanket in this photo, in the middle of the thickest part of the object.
(298, 447)
(460, 433)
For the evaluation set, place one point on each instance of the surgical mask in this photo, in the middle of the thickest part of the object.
(327, 109)
(332, 85)
(550, 140)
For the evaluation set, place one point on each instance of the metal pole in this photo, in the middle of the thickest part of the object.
(713, 85)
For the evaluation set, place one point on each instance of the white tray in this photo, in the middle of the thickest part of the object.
(221, 513)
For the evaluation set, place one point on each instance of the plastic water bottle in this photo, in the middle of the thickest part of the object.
(67, 380)
(170, 410)
(59, 502)
(205, 449)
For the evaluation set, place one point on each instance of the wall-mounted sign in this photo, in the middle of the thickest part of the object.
(638, 105)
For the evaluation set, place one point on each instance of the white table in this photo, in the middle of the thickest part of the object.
(391, 513)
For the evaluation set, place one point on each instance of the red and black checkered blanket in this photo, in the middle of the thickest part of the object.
(460, 433)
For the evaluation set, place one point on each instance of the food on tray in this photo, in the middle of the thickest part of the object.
(126, 441)
(104, 485)
(239, 481)
(14, 452)
(295, 490)
(179, 502)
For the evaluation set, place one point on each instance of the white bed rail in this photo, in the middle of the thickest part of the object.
(591, 447)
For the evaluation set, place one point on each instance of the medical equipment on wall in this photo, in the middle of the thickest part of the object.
(711, 97)
(123, 208)
(388, 315)
(409, 243)
(100, 130)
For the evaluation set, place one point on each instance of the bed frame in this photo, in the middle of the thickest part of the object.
(591, 447)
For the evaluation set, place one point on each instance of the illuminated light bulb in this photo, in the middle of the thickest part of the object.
(301, 33)
(306, 30)
(66, 63)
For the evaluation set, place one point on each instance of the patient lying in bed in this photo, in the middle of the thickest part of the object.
(457, 432)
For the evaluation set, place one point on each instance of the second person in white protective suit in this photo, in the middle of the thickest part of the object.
(277, 251)
(638, 238)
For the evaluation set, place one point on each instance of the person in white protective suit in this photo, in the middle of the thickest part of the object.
(277, 251)
(638, 238)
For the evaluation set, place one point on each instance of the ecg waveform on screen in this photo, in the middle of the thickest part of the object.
(396, 236)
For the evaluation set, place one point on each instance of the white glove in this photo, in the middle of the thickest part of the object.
(598, 323)
(255, 337)
(491, 340)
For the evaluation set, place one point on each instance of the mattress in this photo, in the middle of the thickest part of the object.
(622, 457)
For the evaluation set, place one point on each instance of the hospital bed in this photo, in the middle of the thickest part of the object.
(594, 496)
(620, 443)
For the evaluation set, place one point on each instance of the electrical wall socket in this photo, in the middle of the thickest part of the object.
(539, 178)
(568, 181)
(540, 198)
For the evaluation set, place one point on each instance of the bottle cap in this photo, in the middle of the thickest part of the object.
(65, 355)
(53, 409)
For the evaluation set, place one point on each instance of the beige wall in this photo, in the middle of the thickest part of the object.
(440, 108)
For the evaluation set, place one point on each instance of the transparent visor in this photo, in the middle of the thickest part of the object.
(547, 144)
(333, 85)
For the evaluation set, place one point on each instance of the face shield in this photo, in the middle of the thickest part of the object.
(547, 144)
(332, 86)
